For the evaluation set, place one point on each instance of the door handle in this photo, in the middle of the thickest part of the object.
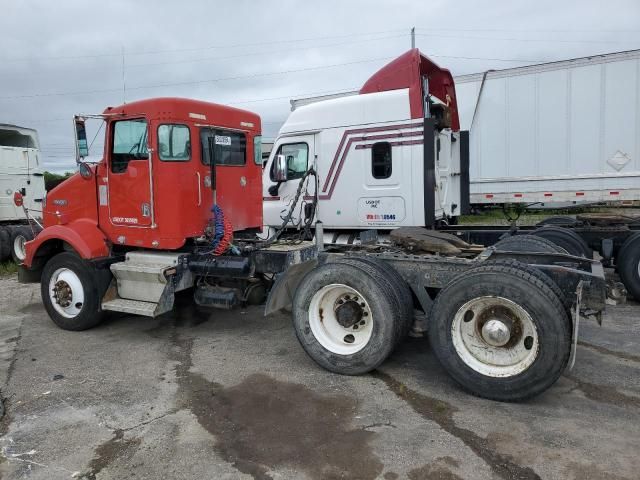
(199, 189)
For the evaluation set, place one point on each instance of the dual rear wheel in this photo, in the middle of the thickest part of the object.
(500, 330)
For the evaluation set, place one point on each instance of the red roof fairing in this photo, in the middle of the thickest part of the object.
(406, 71)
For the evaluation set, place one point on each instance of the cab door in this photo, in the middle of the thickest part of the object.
(129, 174)
(278, 197)
(236, 177)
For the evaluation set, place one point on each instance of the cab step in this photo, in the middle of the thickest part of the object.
(136, 307)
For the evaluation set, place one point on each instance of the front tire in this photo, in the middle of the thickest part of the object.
(70, 293)
(345, 318)
(501, 332)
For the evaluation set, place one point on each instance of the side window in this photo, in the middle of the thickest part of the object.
(225, 146)
(297, 155)
(257, 150)
(174, 143)
(129, 143)
(381, 160)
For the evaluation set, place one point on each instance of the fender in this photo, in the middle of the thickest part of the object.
(284, 288)
(82, 235)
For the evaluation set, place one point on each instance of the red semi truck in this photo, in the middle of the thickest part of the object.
(176, 203)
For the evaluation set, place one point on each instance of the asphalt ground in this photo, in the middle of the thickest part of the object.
(231, 394)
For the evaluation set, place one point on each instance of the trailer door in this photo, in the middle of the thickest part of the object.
(129, 174)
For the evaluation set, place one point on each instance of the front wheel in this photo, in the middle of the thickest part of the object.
(346, 319)
(70, 293)
(501, 332)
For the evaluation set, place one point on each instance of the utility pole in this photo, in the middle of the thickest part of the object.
(413, 37)
(124, 85)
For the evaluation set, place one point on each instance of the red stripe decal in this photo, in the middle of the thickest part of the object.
(548, 194)
(517, 195)
(489, 195)
(360, 130)
(579, 194)
(393, 144)
(614, 193)
(268, 199)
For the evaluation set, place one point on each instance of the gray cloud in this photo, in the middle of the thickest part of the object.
(239, 52)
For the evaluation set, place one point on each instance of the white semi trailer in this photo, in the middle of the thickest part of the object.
(20, 172)
(565, 131)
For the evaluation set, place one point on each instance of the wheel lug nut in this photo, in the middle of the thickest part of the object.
(361, 322)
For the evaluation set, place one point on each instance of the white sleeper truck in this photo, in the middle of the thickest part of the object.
(20, 172)
(393, 155)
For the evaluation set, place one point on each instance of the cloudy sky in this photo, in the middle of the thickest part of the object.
(64, 57)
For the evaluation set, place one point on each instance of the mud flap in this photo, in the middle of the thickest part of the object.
(576, 324)
(284, 288)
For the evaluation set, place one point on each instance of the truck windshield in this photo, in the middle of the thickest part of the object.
(17, 137)
(129, 143)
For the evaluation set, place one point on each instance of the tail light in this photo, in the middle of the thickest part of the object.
(17, 199)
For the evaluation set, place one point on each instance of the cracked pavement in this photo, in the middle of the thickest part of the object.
(231, 394)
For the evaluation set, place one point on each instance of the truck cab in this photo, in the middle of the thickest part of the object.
(155, 186)
(386, 157)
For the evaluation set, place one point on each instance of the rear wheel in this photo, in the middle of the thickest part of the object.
(528, 243)
(567, 239)
(19, 236)
(70, 293)
(5, 244)
(404, 300)
(501, 332)
(345, 318)
(628, 264)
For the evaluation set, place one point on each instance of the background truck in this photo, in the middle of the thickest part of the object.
(176, 202)
(20, 171)
(561, 132)
(572, 132)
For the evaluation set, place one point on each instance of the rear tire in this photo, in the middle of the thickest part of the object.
(537, 337)
(70, 292)
(328, 299)
(628, 265)
(567, 239)
(385, 272)
(19, 236)
(5, 244)
(528, 243)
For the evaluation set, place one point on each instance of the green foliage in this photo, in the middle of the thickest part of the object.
(8, 268)
(52, 180)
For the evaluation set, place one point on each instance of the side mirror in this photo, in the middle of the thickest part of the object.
(85, 170)
(82, 148)
(280, 168)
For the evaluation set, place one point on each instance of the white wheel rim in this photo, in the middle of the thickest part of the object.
(18, 247)
(66, 292)
(324, 319)
(495, 336)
